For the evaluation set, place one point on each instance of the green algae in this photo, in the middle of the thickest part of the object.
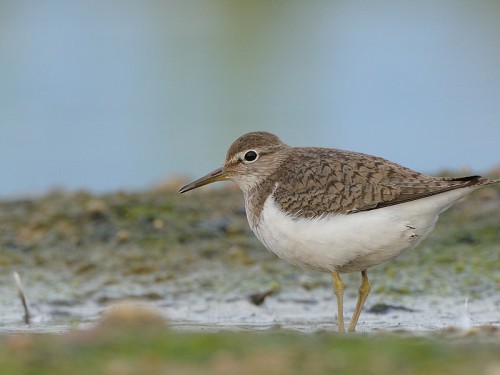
(141, 343)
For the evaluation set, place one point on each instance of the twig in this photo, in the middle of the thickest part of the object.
(22, 296)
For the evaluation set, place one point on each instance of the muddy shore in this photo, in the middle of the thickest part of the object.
(195, 258)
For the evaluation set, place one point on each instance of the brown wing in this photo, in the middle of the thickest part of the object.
(316, 181)
(409, 191)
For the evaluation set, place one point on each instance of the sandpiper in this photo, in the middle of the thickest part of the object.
(332, 210)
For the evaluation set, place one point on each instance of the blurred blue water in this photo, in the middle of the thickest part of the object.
(122, 94)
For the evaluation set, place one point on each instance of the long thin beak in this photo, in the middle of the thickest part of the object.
(217, 175)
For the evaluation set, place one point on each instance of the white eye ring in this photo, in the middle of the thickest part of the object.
(250, 156)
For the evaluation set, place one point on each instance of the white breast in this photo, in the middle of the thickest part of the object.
(354, 242)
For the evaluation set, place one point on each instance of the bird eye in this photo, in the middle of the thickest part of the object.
(250, 156)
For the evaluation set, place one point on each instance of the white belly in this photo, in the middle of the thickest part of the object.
(354, 242)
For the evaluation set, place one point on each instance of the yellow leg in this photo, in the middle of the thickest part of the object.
(363, 292)
(338, 288)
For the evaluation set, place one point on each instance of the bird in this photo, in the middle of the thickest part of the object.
(335, 211)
